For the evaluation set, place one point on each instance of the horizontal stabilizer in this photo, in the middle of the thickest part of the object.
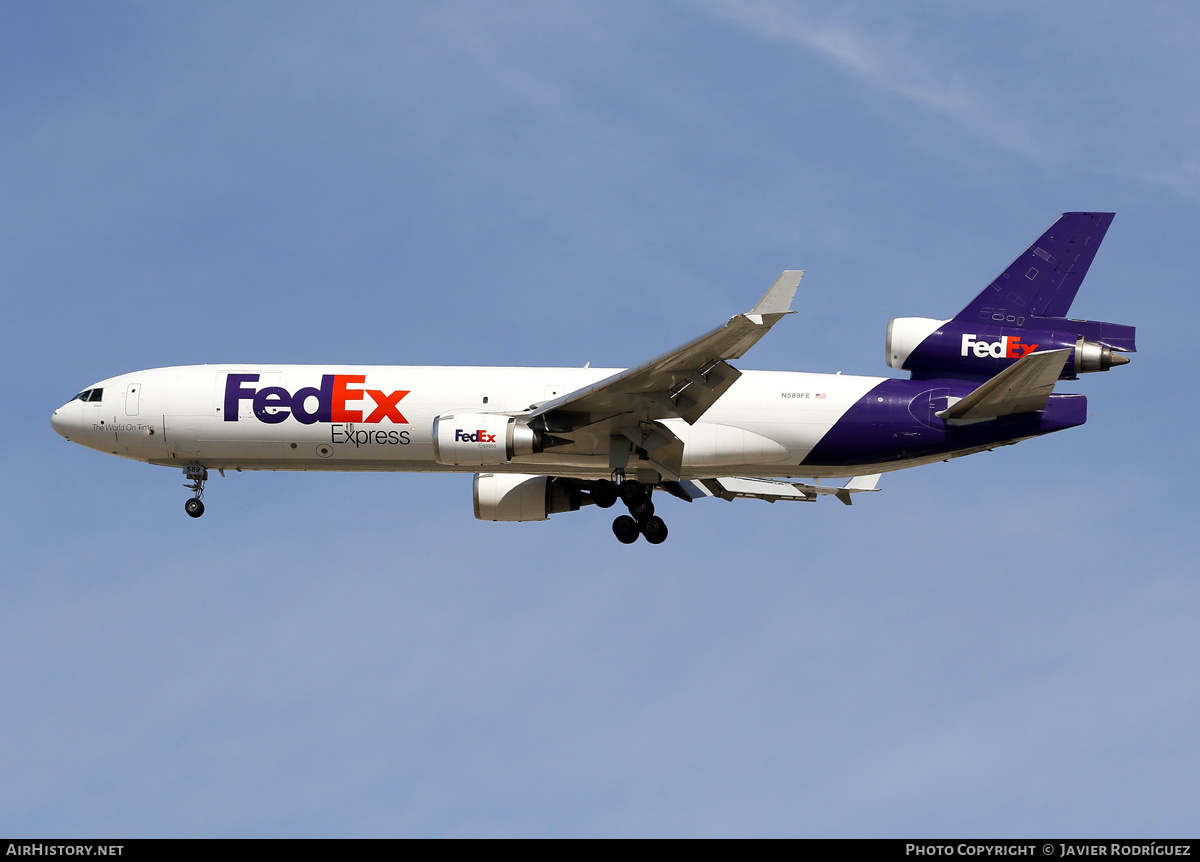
(734, 488)
(1024, 386)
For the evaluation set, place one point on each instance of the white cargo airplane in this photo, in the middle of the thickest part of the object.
(549, 440)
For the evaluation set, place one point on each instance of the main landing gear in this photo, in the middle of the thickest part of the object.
(641, 520)
(198, 475)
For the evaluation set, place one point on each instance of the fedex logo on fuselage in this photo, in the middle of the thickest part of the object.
(330, 402)
(1008, 347)
(480, 436)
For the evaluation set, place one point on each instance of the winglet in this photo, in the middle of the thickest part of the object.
(778, 300)
(858, 483)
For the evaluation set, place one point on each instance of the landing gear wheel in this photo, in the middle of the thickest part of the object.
(604, 493)
(626, 530)
(632, 492)
(642, 509)
(198, 474)
(654, 530)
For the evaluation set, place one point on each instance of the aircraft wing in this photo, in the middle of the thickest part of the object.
(684, 382)
(1024, 386)
(771, 490)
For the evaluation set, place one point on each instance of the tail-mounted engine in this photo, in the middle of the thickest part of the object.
(1024, 309)
(480, 439)
(931, 348)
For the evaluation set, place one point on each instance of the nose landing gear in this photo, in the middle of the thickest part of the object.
(199, 475)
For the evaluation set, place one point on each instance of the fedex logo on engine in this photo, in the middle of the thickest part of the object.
(480, 436)
(1008, 347)
(330, 402)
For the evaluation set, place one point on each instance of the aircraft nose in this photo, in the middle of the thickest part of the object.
(61, 420)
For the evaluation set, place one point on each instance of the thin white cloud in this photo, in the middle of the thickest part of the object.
(1008, 118)
(891, 65)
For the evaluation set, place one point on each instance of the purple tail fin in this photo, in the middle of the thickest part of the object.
(1043, 281)
(1023, 310)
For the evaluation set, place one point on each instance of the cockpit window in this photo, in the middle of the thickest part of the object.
(90, 395)
(82, 396)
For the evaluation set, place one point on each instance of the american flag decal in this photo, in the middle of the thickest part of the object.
(819, 395)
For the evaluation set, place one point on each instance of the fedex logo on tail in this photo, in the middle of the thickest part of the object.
(1008, 347)
(480, 436)
(330, 402)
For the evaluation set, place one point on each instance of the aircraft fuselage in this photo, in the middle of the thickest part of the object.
(688, 422)
(381, 418)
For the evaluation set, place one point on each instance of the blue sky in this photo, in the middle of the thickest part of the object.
(1003, 645)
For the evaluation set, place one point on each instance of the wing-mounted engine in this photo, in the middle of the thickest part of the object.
(521, 497)
(481, 439)
(1023, 310)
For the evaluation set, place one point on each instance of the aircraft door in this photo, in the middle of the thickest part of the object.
(133, 397)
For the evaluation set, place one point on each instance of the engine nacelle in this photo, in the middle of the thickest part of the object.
(521, 497)
(905, 334)
(929, 348)
(480, 439)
